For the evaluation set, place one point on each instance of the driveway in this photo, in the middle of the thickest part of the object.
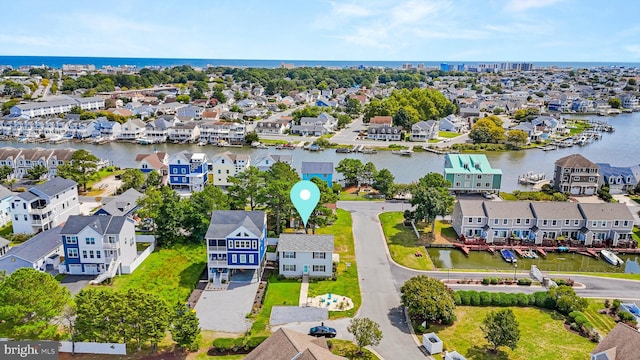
(108, 185)
(75, 283)
(226, 310)
(339, 324)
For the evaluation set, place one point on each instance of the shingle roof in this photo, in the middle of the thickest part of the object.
(624, 341)
(101, 224)
(50, 188)
(317, 167)
(38, 246)
(122, 204)
(557, 210)
(575, 161)
(508, 209)
(305, 243)
(471, 207)
(607, 211)
(4, 242)
(285, 344)
(4, 192)
(224, 222)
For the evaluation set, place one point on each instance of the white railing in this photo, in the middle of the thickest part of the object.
(111, 272)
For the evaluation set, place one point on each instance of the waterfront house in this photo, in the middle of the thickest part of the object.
(264, 163)
(188, 171)
(302, 254)
(536, 222)
(277, 127)
(190, 111)
(285, 344)
(182, 132)
(471, 173)
(453, 123)
(630, 101)
(30, 158)
(425, 130)
(328, 122)
(6, 196)
(321, 170)
(132, 129)
(576, 175)
(621, 343)
(550, 125)
(381, 120)
(308, 130)
(619, 179)
(222, 131)
(532, 131)
(170, 108)
(156, 161)
(97, 244)
(236, 243)
(124, 204)
(48, 108)
(42, 252)
(108, 129)
(225, 165)
(44, 206)
(157, 130)
(385, 133)
(82, 129)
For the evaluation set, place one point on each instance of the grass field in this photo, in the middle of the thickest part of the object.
(279, 292)
(349, 350)
(636, 234)
(448, 134)
(601, 322)
(171, 273)
(542, 336)
(347, 277)
(402, 242)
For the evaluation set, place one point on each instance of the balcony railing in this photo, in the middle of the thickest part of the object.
(110, 246)
(217, 249)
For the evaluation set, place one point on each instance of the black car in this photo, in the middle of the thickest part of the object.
(322, 331)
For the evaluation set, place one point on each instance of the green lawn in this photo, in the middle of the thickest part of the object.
(6, 230)
(171, 273)
(448, 134)
(577, 127)
(402, 242)
(601, 322)
(346, 196)
(347, 277)
(103, 173)
(273, 142)
(607, 275)
(636, 234)
(542, 336)
(279, 292)
(348, 349)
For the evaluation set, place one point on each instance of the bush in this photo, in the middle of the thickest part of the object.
(495, 280)
(625, 316)
(224, 344)
(457, 299)
(524, 281)
(522, 299)
(486, 280)
(254, 341)
(475, 298)
(485, 298)
(465, 297)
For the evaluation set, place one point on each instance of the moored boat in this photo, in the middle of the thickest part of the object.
(508, 256)
(611, 258)
(407, 152)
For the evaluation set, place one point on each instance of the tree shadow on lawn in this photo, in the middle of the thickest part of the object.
(190, 276)
(485, 352)
(397, 318)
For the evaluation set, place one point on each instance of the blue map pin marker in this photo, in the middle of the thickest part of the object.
(305, 196)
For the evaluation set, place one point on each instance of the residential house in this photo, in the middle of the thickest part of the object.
(170, 108)
(619, 179)
(385, 133)
(48, 108)
(6, 197)
(471, 173)
(285, 344)
(4, 246)
(98, 244)
(550, 125)
(108, 129)
(302, 254)
(308, 130)
(532, 131)
(629, 101)
(209, 115)
(225, 165)
(182, 132)
(124, 204)
(453, 123)
(223, 131)
(328, 122)
(132, 129)
(44, 206)
(236, 243)
(156, 161)
(157, 130)
(82, 129)
(381, 120)
(621, 343)
(425, 130)
(321, 170)
(190, 111)
(41, 252)
(188, 171)
(576, 175)
(264, 163)
(276, 127)
(534, 222)
(469, 112)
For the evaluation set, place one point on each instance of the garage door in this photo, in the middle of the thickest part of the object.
(91, 269)
(75, 269)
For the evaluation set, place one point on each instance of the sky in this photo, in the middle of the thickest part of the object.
(375, 30)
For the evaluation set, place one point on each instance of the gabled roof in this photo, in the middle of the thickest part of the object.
(4, 242)
(621, 343)
(606, 211)
(313, 167)
(305, 243)
(556, 210)
(5, 193)
(285, 344)
(49, 188)
(508, 209)
(575, 161)
(38, 246)
(101, 224)
(468, 163)
(122, 204)
(224, 222)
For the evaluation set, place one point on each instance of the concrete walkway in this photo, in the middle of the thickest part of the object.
(304, 292)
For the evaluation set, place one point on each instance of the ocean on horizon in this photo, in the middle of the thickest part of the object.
(58, 61)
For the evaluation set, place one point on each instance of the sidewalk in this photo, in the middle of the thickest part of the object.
(304, 292)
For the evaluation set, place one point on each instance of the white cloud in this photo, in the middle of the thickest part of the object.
(523, 5)
(348, 10)
(414, 10)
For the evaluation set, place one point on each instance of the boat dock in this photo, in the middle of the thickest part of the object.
(531, 178)
(542, 250)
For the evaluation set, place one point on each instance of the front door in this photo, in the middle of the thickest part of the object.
(305, 269)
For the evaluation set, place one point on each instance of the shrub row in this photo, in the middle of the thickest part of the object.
(539, 299)
(561, 281)
(494, 280)
(243, 344)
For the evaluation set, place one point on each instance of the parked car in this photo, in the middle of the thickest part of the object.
(325, 331)
(488, 195)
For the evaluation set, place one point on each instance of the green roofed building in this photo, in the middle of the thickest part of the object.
(471, 173)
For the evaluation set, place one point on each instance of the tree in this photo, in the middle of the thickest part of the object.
(516, 138)
(165, 207)
(184, 98)
(185, 327)
(369, 173)
(5, 171)
(247, 187)
(501, 329)
(353, 106)
(153, 179)
(365, 332)
(250, 137)
(615, 102)
(322, 215)
(351, 170)
(428, 299)
(487, 129)
(132, 179)
(384, 182)
(431, 198)
(567, 300)
(80, 168)
(36, 172)
(219, 95)
(29, 300)
(198, 210)
(6, 106)
(279, 179)
(403, 119)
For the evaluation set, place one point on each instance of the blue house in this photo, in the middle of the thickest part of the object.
(188, 171)
(236, 244)
(620, 179)
(321, 170)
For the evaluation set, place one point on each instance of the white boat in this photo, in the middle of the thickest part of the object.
(145, 141)
(407, 152)
(202, 143)
(611, 258)
(55, 138)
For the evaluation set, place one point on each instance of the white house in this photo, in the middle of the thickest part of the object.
(6, 196)
(45, 108)
(265, 162)
(425, 130)
(190, 111)
(41, 252)
(302, 254)
(44, 206)
(132, 129)
(385, 133)
(227, 164)
(188, 131)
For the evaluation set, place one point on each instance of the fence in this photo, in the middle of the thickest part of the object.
(143, 255)
(93, 348)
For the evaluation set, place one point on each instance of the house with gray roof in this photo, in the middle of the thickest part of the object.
(124, 204)
(6, 196)
(620, 179)
(285, 344)
(425, 130)
(305, 255)
(620, 344)
(264, 163)
(236, 243)
(41, 252)
(576, 175)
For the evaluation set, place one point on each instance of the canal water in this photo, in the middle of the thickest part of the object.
(483, 260)
(619, 148)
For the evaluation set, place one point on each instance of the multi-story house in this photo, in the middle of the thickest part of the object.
(321, 170)
(236, 242)
(471, 173)
(188, 171)
(45, 108)
(156, 161)
(188, 131)
(124, 204)
(190, 111)
(44, 206)
(619, 179)
(385, 133)
(265, 162)
(108, 129)
(576, 175)
(425, 130)
(82, 129)
(453, 123)
(227, 164)
(223, 131)
(535, 222)
(629, 101)
(301, 254)
(132, 129)
(98, 244)
(6, 196)
(21, 160)
(276, 127)
(158, 129)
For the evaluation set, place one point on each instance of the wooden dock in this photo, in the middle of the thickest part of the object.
(463, 248)
(518, 251)
(491, 250)
(541, 252)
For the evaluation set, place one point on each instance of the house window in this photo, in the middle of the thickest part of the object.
(576, 222)
(26, 218)
(504, 221)
(91, 254)
(479, 220)
(554, 222)
(566, 222)
(72, 253)
(254, 244)
(184, 171)
(495, 221)
(594, 223)
(234, 258)
(487, 184)
(243, 244)
(72, 239)
(319, 255)
(288, 255)
(479, 177)
(90, 241)
(604, 223)
(252, 258)
(319, 268)
(98, 254)
(288, 267)
(470, 220)
(518, 221)
(243, 259)
(625, 223)
(84, 254)
(478, 184)
(544, 222)
(174, 171)
(616, 223)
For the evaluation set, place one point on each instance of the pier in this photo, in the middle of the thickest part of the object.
(542, 250)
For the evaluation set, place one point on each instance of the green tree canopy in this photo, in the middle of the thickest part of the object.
(567, 300)
(384, 183)
(280, 178)
(80, 168)
(431, 198)
(501, 329)
(351, 170)
(487, 130)
(428, 103)
(36, 172)
(516, 138)
(615, 102)
(247, 188)
(366, 332)
(185, 326)
(132, 179)
(428, 299)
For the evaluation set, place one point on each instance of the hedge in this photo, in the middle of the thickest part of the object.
(236, 344)
(484, 298)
